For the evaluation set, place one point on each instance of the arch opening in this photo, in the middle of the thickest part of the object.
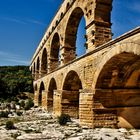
(37, 68)
(68, 5)
(42, 88)
(44, 62)
(52, 87)
(55, 52)
(74, 35)
(80, 39)
(70, 96)
(118, 88)
(35, 87)
(34, 69)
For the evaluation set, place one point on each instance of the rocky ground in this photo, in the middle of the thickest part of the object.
(36, 124)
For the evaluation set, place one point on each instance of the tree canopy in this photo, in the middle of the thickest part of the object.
(14, 80)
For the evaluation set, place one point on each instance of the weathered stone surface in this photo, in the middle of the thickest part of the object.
(109, 71)
(37, 128)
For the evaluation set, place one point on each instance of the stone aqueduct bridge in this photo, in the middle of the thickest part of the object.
(102, 87)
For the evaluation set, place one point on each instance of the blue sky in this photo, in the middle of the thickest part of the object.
(23, 23)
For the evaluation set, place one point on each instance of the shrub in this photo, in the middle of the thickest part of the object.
(15, 99)
(63, 119)
(29, 104)
(10, 125)
(22, 104)
(4, 114)
(19, 113)
(15, 135)
(23, 96)
(28, 131)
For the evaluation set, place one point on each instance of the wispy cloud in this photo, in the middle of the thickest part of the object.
(13, 20)
(24, 62)
(36, 22)
(10, 57)
(23, 21)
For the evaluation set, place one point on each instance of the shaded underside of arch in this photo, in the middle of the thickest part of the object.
(72, 82)
(117, 71)
(52, 87)
(70, 95)
(42, 88)
(118, 88)
(37, 68)
(34, 68)
(44, 65)
(54, 54)
(38, 63)
(35, 87)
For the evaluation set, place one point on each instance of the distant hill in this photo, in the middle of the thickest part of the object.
(14, 80)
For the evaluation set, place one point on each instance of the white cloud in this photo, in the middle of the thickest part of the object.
(23, 21)
(36, 22)
(9, 57)
(13, 20)
(24, 62)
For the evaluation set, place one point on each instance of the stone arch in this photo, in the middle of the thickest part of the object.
(42, 88)
(68, 5)
(117, 76)
(44, 62)
(71, 34)
(115, 50)
(118, 85)
(52, 87)
(53, 28)
(70, 96)
(35, 87)
(37, 68)
(54, 52)
(61, 16)
(34, 68)
(31, 69)
(56, 23)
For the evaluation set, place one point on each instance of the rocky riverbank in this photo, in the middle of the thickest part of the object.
(36, 124)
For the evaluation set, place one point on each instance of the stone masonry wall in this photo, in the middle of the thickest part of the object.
(107, 70)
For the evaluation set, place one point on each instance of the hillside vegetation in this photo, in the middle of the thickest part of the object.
(14, 80)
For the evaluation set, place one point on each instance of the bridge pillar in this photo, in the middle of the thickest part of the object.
(49, 100)
(70, 103)
(66, 102)
(36, 96)
(44, 99)
(86, 108)
(117, 108)
(98, 33)
(36, 74)
(43, 72)
(67, 54)
(57, 102)
(93, 114)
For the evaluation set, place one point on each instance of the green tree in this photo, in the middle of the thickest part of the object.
(15, 79)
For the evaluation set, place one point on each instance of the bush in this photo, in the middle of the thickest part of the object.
(29, 104)
(10, 125)
(28, 131)
(19, 113)
(63, 119)
(4, 114)
(22, 104)
(15, 135)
